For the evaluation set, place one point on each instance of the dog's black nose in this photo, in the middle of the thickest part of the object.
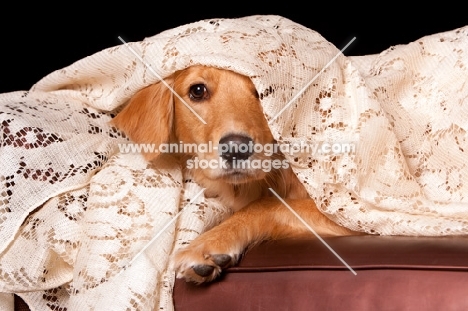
(235, 147)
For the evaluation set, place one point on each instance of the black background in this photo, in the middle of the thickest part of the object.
(36, 40)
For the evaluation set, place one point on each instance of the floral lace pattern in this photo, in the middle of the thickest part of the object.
(76, 214)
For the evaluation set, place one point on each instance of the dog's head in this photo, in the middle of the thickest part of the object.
(215, 122)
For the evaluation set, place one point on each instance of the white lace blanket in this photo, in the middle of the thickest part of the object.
(75, 212)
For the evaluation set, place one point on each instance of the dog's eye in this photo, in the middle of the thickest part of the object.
(198, 92)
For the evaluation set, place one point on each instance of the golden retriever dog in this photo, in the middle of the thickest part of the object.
(229, 104)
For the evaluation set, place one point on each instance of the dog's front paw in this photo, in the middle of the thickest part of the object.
(203, 261)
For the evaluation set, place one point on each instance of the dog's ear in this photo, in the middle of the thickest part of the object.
(148, 117)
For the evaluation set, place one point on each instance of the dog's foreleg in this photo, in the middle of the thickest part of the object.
(264, 219)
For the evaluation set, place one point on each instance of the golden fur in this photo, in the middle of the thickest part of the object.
(230, 106)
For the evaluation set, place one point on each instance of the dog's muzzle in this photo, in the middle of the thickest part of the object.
(235, 147)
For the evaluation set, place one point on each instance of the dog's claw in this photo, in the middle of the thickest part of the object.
(221, 260)
(203, 270)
